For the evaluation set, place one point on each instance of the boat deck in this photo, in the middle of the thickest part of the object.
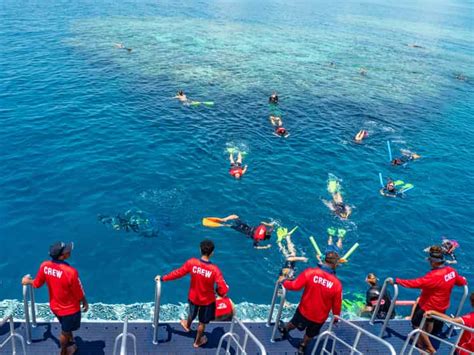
(96, 338)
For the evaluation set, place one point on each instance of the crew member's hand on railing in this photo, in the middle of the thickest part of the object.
(27, 280)
(85, 305)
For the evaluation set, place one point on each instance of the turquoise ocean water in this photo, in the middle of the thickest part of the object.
(88, 129)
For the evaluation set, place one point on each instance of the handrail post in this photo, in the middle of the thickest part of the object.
(232, 337)
(352, 347)
(272, 307)
(12, 334)
(417, 336)
(459, 309)
(231, 330)
(280, 310)
(33, 306)
(379, 300)
(123, 346)
(156, 315)
(388, 316)
(26, 312)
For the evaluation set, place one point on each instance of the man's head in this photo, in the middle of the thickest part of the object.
(207, 247)
(61, 250)
(436, 257)
(332, 259)
(371, 279)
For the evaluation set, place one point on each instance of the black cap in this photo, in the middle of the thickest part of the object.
(436, 255)
(60, 248)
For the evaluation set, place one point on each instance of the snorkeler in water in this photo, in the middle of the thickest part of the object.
(331, 246)
(121, 46)
(132, 220)
(406, 157)
(118, 222)
(337, 204)
(277, 122)
(363, 71)
(258, 233)
(236, 169)
(288, 251)
(181, 96)
(273, 99)
(389, 189)
(448, 246)
(359, 137)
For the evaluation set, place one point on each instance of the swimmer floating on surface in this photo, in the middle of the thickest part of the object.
(359, 137)
(236, 169)
(337, 204)
(406, 157)
(277, 122)
(181, 96)
(394, 188)
(288, 251)
(258, 233)
(448, 246)
(132, 220)
(273, 99)
(331, 247)
(121, 46)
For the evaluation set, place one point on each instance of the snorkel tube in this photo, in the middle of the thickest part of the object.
(389, 151)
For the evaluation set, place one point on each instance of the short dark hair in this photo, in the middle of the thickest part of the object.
(332, 258)
(207, 247)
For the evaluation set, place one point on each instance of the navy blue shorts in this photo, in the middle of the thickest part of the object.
(205, 314)
(70, 323)
(302, 323)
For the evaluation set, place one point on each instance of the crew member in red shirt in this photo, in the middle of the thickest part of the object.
(436, 287)
(467, 340)
(65, 292)
(322, 293)
(201, 296)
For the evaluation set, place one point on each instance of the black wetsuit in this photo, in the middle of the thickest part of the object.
(371, 297)
(242, 227)
(273, 99)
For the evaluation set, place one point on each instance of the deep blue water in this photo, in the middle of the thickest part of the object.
(89, 129)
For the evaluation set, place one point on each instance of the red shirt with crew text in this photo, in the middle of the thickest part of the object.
(204, 275)
(64, 287)
(435, 287)
(467, 339)
(322, 293)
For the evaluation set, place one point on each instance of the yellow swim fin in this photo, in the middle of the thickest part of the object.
(212, 222)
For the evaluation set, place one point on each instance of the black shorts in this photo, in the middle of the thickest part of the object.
(418, 316)
(205, 313)
(300, 322)
(70, 323)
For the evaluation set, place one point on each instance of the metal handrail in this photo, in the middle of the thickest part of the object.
(388, 316)
(124, 336)
(27, 308)
(278, 286)
(9, 318)
(459, 309)
(417, 332)
(156, 312)
(234, 337)
(353, 347)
